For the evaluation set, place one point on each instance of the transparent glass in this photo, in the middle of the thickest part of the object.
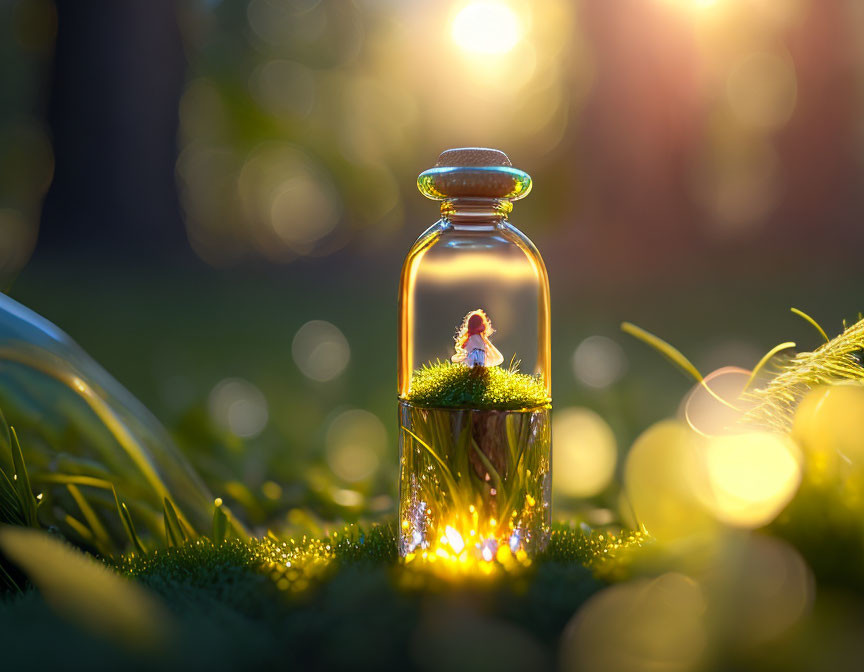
(473, 481)
(473, 258)
(79, 427)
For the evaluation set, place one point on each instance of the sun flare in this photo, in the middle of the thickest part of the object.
(486, 28)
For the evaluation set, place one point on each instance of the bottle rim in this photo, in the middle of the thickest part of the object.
(446, 182)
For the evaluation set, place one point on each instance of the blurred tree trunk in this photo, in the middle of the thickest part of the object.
(117, 80)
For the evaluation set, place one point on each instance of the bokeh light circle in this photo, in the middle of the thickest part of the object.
(320, 350)
(759, 589)
(291, 200)
(238, 406)
(829, 426)
(585, 452)
(640, 626)
(751, 477)
(356, 441)
(302, 211)
(662, 476)
(762, 90)
(599, 362)
(715, 406)
(284, 87)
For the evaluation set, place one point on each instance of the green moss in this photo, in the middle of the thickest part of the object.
(446, 385)
(221, 568)
(289, 563)
(237, 605)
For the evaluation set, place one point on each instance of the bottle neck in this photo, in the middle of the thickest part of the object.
(475, 210)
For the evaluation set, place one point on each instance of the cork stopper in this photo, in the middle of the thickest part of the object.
(474, 172)
(472, 156)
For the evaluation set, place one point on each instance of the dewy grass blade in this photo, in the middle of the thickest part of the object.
(429, 450)
(463, 444)
(220, 523)
(765, 359)
(80, 529)
(85, 592)
(670, 352)
(494, 476)
(675, 356)
(10, 506)
(100, 534)
(7, 580)
(128, 526)
(814, 323)
(127, 517)
(774, 404)
(174, 533)
(524, 436)
(446, 473)
(512, 439)
(22, 483)
(7, 429)
(69, 479)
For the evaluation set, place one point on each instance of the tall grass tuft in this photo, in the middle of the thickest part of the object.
(837, 360)
(787, 379)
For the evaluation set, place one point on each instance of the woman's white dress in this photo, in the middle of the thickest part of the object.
(478, 351)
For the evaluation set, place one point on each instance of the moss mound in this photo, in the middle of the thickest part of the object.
(299, 564)
(344, 603)
(447, 385)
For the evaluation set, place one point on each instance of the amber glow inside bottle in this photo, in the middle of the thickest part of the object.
(473, 371)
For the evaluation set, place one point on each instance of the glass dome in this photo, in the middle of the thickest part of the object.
(473, 371)
(473, 258)
(81, 429)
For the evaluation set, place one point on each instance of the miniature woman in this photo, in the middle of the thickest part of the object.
(473, 347)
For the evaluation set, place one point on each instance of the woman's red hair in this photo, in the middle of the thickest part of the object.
(475, 322)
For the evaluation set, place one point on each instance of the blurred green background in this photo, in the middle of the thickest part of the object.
(214, 199)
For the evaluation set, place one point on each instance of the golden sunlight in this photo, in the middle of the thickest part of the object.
(486, 28)
(695, 4)
(662, 476)
(475, 266)
(585, 453)
(751, 477)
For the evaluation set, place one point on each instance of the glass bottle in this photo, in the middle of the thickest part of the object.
(474, 408)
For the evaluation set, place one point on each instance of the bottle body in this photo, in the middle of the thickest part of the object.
(475, 460)
(474, 481)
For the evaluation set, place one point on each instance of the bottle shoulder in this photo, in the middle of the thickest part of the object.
(445, 236)
(499, 255)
